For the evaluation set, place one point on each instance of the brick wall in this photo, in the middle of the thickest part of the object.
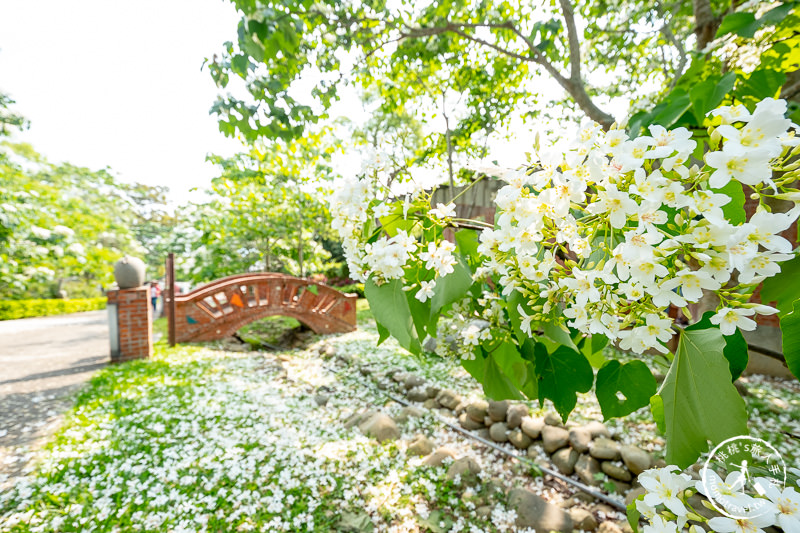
(134, 322)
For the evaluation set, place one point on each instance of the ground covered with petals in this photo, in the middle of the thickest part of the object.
(203, 439)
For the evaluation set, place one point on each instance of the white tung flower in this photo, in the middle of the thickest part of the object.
(442, 211)
(750, 167)
(426, 291)
(728, 319)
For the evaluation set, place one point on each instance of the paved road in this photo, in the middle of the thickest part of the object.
(42, 362)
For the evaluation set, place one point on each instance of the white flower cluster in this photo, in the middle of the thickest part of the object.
(613, 230)
(356, 203)
(665, 505)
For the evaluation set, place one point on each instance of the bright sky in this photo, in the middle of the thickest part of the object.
(119, 84)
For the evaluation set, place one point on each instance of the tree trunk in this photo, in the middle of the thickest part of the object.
(706, 24)
(452, 191)
(300, 247)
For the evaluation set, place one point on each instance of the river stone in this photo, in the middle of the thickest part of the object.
(579, 439)
(438, 457)
(421, 446)
(609, 526)
(477, 410)
(380, 427)
(616, 471)
(417, 394)
(554, 438)
(356, 418)
(582, 519)
(533, 511)
(431, 391)
(465, 467)
(400, 377)
(636, 459)
(499, 432)
(597, 429)
(468, 423)
(565, 460)
(483, 511)
(430, 403)
(514, 415)
(552, 419)
(519, 439)
(448, 399)
(483, 433)
(605, 449)
(430, 344)
(586, 467)
(413, 380)
(407, 412)
(635, 493)
(532, 427)
(321, 399)
(498, 410)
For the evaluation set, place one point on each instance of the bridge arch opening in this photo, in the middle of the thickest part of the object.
(221, 308)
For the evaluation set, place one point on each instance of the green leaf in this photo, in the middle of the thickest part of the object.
(735, 346)
(790, 330)
(559, 334)
(420, 314)
(784, 287)
(592, 349)
(467, 247)
(496, 384)
(451, 287)
(383, 333)
(657, 409)
(699, 399)
(477, 366)
(743, 24)
(633, 514)
(733, 210)
(762, 83)
(708, 94)
(389, 306)
(520, 372)
(394, 221)
(674, 106)
(514, 300)
(562, 374)
(633, 380)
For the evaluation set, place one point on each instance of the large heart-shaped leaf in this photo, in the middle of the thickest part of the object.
(699, 400)
(735, 350)
(562, 374)
(633, 381)
(389, 306)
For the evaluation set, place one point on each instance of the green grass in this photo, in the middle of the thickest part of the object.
(200, 439)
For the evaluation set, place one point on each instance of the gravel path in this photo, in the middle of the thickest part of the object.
(43, 361)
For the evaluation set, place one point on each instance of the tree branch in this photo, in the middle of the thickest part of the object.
(669, 36)
(574, 43)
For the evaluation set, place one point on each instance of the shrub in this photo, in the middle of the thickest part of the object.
(357, 288)
(13, 309)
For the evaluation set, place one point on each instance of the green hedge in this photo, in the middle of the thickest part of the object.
(357, 288)
(13, 309)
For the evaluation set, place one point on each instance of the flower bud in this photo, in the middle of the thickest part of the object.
(714, 139)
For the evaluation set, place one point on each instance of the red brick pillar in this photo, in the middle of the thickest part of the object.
(130, 324)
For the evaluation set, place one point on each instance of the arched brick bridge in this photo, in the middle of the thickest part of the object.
(218, 309)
